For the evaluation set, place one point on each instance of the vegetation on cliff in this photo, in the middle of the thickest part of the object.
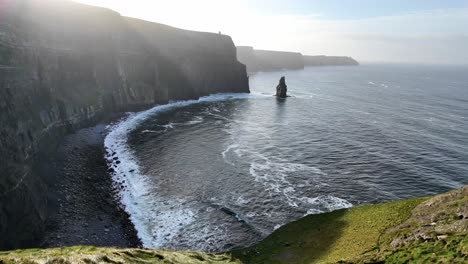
(414, 231)
(419, 230)
(88, 255)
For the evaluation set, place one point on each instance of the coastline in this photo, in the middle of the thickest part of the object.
(419, 230)
(85, 183)
(83, 208)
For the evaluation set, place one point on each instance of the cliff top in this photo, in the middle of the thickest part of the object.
(420, 229)
(414, 230)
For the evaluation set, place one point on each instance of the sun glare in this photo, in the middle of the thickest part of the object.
(207, 15)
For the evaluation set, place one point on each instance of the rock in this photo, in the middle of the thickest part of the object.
(268, 60)
(75, 77)
(282, 88)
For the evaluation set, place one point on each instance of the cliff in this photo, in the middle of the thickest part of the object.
(64, 65)
(266, 60)
(420, 230)
(328, 61)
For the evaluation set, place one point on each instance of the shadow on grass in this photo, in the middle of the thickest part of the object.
(305, 241)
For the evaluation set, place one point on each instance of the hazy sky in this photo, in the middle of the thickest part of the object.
(430, 31)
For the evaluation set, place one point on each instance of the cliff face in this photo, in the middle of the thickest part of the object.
(266, 60)
(63, 65)
(328, 61)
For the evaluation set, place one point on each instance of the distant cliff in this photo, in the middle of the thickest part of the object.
(266, 60)
(64, 65)
(328, 60)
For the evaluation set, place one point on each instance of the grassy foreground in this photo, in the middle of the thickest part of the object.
(421, 230)
(417, 230)
(91, 255)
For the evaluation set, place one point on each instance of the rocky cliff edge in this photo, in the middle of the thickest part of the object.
(64, 65)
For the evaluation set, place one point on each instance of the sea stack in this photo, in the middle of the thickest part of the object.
(282, 88)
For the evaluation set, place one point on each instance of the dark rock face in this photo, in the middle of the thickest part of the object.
(64, 65)
(282, 88)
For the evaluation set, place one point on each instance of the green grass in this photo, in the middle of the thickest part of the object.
(453, 250)
(330, 237)
(91, 255)
(420, 230)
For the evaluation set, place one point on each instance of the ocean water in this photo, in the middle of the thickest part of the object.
(227, 170)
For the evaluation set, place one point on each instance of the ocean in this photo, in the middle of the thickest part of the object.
(227, 170)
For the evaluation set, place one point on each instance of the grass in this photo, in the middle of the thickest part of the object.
(452, 250)
(330, 237)
(420, 230)
(91, 255)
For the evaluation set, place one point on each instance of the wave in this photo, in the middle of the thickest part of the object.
(155, 220)
(274, 173)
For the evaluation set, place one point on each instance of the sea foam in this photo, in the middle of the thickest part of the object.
(155, 224)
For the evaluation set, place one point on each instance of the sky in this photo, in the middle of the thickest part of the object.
(399, 31)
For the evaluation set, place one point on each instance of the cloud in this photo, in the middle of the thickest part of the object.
(438, 36)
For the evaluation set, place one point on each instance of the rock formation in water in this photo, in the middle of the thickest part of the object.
(64, 65)
(266, 60)
(282, 88)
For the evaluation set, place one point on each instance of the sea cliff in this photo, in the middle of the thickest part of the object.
(268, 60)
(322, 60)
(65, 65)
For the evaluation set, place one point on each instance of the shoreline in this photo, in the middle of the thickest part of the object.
(427, 229)
(83, 206)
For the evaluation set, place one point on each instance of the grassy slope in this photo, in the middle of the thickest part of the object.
(330, 237)
(91, 255)
(417, 230)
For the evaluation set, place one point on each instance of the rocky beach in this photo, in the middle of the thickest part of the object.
(82, 203)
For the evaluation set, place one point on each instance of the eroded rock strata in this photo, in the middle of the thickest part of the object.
(64, 65)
